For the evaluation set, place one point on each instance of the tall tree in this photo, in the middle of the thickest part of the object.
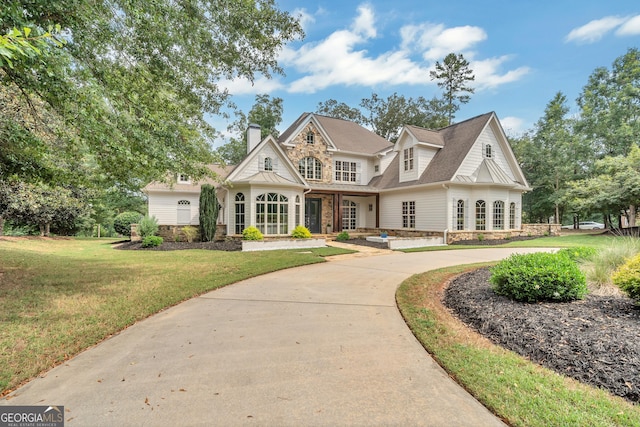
(265, 112)
(387, 116)
(610, 106)
(135, 79)
(208, 212)
(453, 75)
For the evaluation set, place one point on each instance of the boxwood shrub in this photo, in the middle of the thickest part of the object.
(342, 236)
(301, 232)
(538, 277)
(627, 278)
(152, 241)
(122, 223)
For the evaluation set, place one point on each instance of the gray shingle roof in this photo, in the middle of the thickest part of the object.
(345, 135)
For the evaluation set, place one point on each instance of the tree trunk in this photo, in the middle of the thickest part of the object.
(632, 216)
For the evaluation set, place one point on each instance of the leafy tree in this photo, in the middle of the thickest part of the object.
(208, 212)
(609, 107)
(453, 74)
(614, 188)
(18, 44)
(266, 112)
(387, 116)
(340, 110)
(135, 79)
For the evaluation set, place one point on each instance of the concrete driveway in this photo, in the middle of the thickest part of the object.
(317, 345)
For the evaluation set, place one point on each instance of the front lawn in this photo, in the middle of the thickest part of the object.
(61, 296)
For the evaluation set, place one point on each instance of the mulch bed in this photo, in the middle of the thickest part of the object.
(595, 340)
(223, 245)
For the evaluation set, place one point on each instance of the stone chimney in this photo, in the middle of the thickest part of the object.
(253, 136)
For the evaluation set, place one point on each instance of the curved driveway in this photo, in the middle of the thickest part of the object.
(322, 344)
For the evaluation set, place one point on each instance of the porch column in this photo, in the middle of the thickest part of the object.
(377, 210)
(337, 212)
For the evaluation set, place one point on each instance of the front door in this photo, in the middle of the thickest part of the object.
(313, 215)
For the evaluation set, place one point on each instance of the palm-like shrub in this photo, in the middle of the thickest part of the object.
(148, 226)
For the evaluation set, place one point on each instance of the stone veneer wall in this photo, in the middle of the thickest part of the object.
(318, 150)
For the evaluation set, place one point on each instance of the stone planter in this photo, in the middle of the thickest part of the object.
(270, 245)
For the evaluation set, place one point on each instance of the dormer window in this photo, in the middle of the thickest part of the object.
(408, 158)
(310, 137)
(183, 179)
(488, 153)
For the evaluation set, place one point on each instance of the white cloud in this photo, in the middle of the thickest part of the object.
(512, 125)
(365, 22)
(435, 41)
(487, 72)
(630, 27)
(594, 30)
(304, 17)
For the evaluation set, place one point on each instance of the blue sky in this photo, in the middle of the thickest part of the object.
(522, 53)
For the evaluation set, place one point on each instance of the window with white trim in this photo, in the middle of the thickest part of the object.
(460, 215)
(409, 214)
(184, 212)
(272, 213)
(512, 215)
(310, 168)
(310, 137)
(488, 151)
(239, 213)
(346, 171)
(183, 179)
(408, 158)
(268, 164)
(498, 215)
(481, 215)
(349, 215)
(297, 218)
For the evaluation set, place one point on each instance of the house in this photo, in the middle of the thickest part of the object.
(333, 175)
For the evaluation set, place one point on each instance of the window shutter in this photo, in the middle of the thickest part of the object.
(358, 172)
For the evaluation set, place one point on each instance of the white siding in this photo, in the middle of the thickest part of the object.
(257, 163)
(423, 156)
(411, 174)
(164, 206)
(386, 161)
(431, 209)
(476, 154)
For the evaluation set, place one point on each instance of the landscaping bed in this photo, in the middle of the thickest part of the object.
(595, 340)
(222, 245)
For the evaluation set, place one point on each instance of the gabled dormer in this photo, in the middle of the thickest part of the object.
(416, 148)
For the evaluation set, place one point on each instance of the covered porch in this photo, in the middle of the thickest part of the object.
(332, 210)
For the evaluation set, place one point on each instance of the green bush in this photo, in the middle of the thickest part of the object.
(189, 232)
(342, 236)
(152, 241)
(252, 233)
(538, 277)
(581, 253)
(301, 232)
(627, 278)
(148, 226)
(480, 237)
(122, 223)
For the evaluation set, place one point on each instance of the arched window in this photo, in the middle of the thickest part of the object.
(481, 215)
(310, 137)
(460, 215)
(488, 152)
(272, 213)
(512, 215)
(268, 164)
(498, 215)
(298, 211)
(184, 212)
(240, 210)
(310, 168)
(349, 215)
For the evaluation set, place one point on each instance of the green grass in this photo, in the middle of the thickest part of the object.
(59, 297)
(518, 391)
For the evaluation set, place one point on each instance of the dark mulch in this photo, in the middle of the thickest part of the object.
(223, 245)
(595, 340)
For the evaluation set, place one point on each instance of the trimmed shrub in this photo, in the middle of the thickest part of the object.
(252, 233)
(301, 232)
(627, 278)
(122, 223)
(152, 241)
(538, 277)
(189, 232)
(148, 226)
(342, 236)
